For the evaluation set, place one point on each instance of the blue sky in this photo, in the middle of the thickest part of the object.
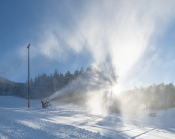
(139, 36)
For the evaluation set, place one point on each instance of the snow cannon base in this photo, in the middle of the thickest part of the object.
(152, 115)
(46, 103)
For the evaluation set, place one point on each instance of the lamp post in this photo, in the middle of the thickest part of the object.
(28, 76)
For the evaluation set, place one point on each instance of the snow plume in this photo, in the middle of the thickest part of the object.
(118, 30)
(115, 29)
(89, 89)
(121, 30)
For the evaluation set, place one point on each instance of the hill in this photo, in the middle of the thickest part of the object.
(4, 80)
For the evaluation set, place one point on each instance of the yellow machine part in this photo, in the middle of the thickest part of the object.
(45, 103)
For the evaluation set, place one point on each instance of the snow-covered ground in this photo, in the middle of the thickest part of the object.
(69, 121)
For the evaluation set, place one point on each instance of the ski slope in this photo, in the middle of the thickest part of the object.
(66, 121)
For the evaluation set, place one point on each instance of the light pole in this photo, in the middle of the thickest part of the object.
(28, 76)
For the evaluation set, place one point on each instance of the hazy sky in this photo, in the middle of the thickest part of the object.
(138, 37)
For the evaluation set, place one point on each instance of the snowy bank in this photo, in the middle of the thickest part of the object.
(70, 121)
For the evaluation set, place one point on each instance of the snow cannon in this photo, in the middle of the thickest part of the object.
(46, 103)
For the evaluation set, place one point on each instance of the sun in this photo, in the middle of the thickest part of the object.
(117, 89)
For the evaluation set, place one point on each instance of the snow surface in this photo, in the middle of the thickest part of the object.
(70, 121)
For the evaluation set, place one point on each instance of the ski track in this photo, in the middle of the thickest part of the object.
(66, 121)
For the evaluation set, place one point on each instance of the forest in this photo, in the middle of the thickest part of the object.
(41, 86)
(75, 88)
(155, 97)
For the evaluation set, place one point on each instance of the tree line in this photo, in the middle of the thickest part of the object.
(41, 86)
(155, 97)
(75, 88)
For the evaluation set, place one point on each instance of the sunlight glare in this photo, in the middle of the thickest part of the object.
(117, 89)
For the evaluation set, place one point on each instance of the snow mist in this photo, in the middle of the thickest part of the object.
(113, 31)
